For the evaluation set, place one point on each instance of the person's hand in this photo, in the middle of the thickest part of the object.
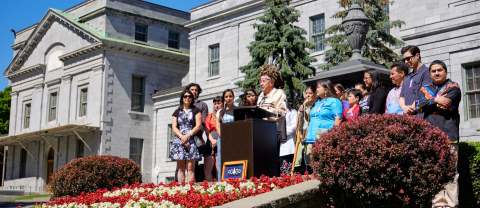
(301, 108)
(186, 145)
(443, 100)
(411, 109)
(184, 138)
(214, 143)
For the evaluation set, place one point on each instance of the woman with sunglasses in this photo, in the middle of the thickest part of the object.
(374, 100)
(186, 123)
(251, 98)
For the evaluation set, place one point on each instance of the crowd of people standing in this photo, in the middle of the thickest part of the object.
(424, 92)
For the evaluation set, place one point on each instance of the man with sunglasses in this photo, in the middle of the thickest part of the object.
(419, 77)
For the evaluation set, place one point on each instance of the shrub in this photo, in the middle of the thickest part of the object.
(383, 161)
(94, 172)
(469, 170)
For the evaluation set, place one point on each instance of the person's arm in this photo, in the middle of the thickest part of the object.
(422, 102)
(337, 108)
(292, 122)
(280, 106)
(183, 138)
(338, 121)
(455, 95)
(218, 124)
(377, 101)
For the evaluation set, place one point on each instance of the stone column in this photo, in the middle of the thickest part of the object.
(13, 113)
(64, 100)
(36, 112)
(96, 90)
(192, 72)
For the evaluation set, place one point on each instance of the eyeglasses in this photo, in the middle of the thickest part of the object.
(187, 96)
(366, 78)
(407, 58)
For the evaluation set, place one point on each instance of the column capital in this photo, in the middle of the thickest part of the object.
(67, 78)
(14, 94)
(38, 86)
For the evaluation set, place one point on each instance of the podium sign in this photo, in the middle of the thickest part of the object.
(237, 169)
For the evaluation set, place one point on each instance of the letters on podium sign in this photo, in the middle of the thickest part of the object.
(235, 169)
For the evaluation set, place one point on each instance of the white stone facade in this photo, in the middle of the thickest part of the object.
(90, 47)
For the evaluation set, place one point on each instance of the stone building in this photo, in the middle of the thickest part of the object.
(99, 46)
(82, 81)
(222, 29)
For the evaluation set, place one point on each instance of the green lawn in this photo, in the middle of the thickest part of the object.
(30, 197)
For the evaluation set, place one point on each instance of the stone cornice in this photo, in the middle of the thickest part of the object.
(106, 9)
(26, 29)
(81, 52)
(223, 13)
(53, 81)
(17, 45)
(145, 52)
(37, 35)
(79, 5)
(26, 71)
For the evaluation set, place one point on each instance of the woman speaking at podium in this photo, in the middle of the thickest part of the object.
(272, 99)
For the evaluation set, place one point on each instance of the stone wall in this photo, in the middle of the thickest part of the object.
(303, 195)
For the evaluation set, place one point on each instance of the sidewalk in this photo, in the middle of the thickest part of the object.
(24, 203)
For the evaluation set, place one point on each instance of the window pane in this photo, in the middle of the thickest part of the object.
(469, 72)
(136, 146)
(476, 69)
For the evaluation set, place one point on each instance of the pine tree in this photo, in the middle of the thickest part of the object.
(5, 101)
(276, 33)
(376, 46)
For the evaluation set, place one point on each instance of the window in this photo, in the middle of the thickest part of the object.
(83, 102)
(80, 148)
(171, 136)
(317, 27)
(137, 93)
(169, 179)
(214, 60)
(173, 40)
(472, 92)
(53, 107)
(141, 33)
(136, 146)
(23, 163)
(26, 123)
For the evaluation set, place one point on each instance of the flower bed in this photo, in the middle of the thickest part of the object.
(175, 194)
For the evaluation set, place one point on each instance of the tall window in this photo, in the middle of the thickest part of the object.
(317, 27)
(138, 88)
(83, 102)
(80, 148)
(53, 107)
(28, 108)
(171, 136)
(472, 91)
(136, 146)
(173, 40)
(141, 33)
(23, 163)
(214, 60)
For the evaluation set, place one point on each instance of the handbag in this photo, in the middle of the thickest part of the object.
(200, 144)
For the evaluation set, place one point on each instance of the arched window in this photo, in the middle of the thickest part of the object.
(51, 56)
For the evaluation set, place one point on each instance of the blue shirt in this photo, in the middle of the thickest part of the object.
(413, 82)
(322, 116)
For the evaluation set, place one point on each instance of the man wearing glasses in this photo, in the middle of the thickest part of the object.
(412, 83)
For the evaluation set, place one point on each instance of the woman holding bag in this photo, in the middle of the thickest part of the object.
(186, 124)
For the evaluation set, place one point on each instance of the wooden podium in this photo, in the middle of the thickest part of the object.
(251, 138)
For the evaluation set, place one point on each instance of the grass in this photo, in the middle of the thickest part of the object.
(29, 197)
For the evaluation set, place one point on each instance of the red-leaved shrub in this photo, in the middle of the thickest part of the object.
(94, 172)
(383, 161)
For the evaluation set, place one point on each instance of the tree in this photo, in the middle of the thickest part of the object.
(376, 46)
(5, 102)
(276, 33)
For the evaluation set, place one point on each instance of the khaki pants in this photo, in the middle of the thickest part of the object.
(448, 197)
(303, 153)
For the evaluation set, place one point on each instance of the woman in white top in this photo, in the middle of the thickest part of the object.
(224, 117)
(287, 149)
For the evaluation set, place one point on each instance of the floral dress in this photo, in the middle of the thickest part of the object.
(185, 123)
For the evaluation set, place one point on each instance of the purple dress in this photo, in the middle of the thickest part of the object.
(345, 104)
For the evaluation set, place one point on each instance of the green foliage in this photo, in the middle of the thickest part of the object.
(376, 46)
(469, 174)
(5, 102)
(276, 33)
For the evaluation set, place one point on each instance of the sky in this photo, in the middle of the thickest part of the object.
(19, 16)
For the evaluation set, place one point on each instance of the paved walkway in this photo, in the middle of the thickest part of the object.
(24, 203)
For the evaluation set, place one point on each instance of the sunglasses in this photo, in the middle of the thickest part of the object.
(407, 58)
(187, 96)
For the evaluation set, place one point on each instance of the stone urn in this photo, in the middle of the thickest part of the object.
(355, 26)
